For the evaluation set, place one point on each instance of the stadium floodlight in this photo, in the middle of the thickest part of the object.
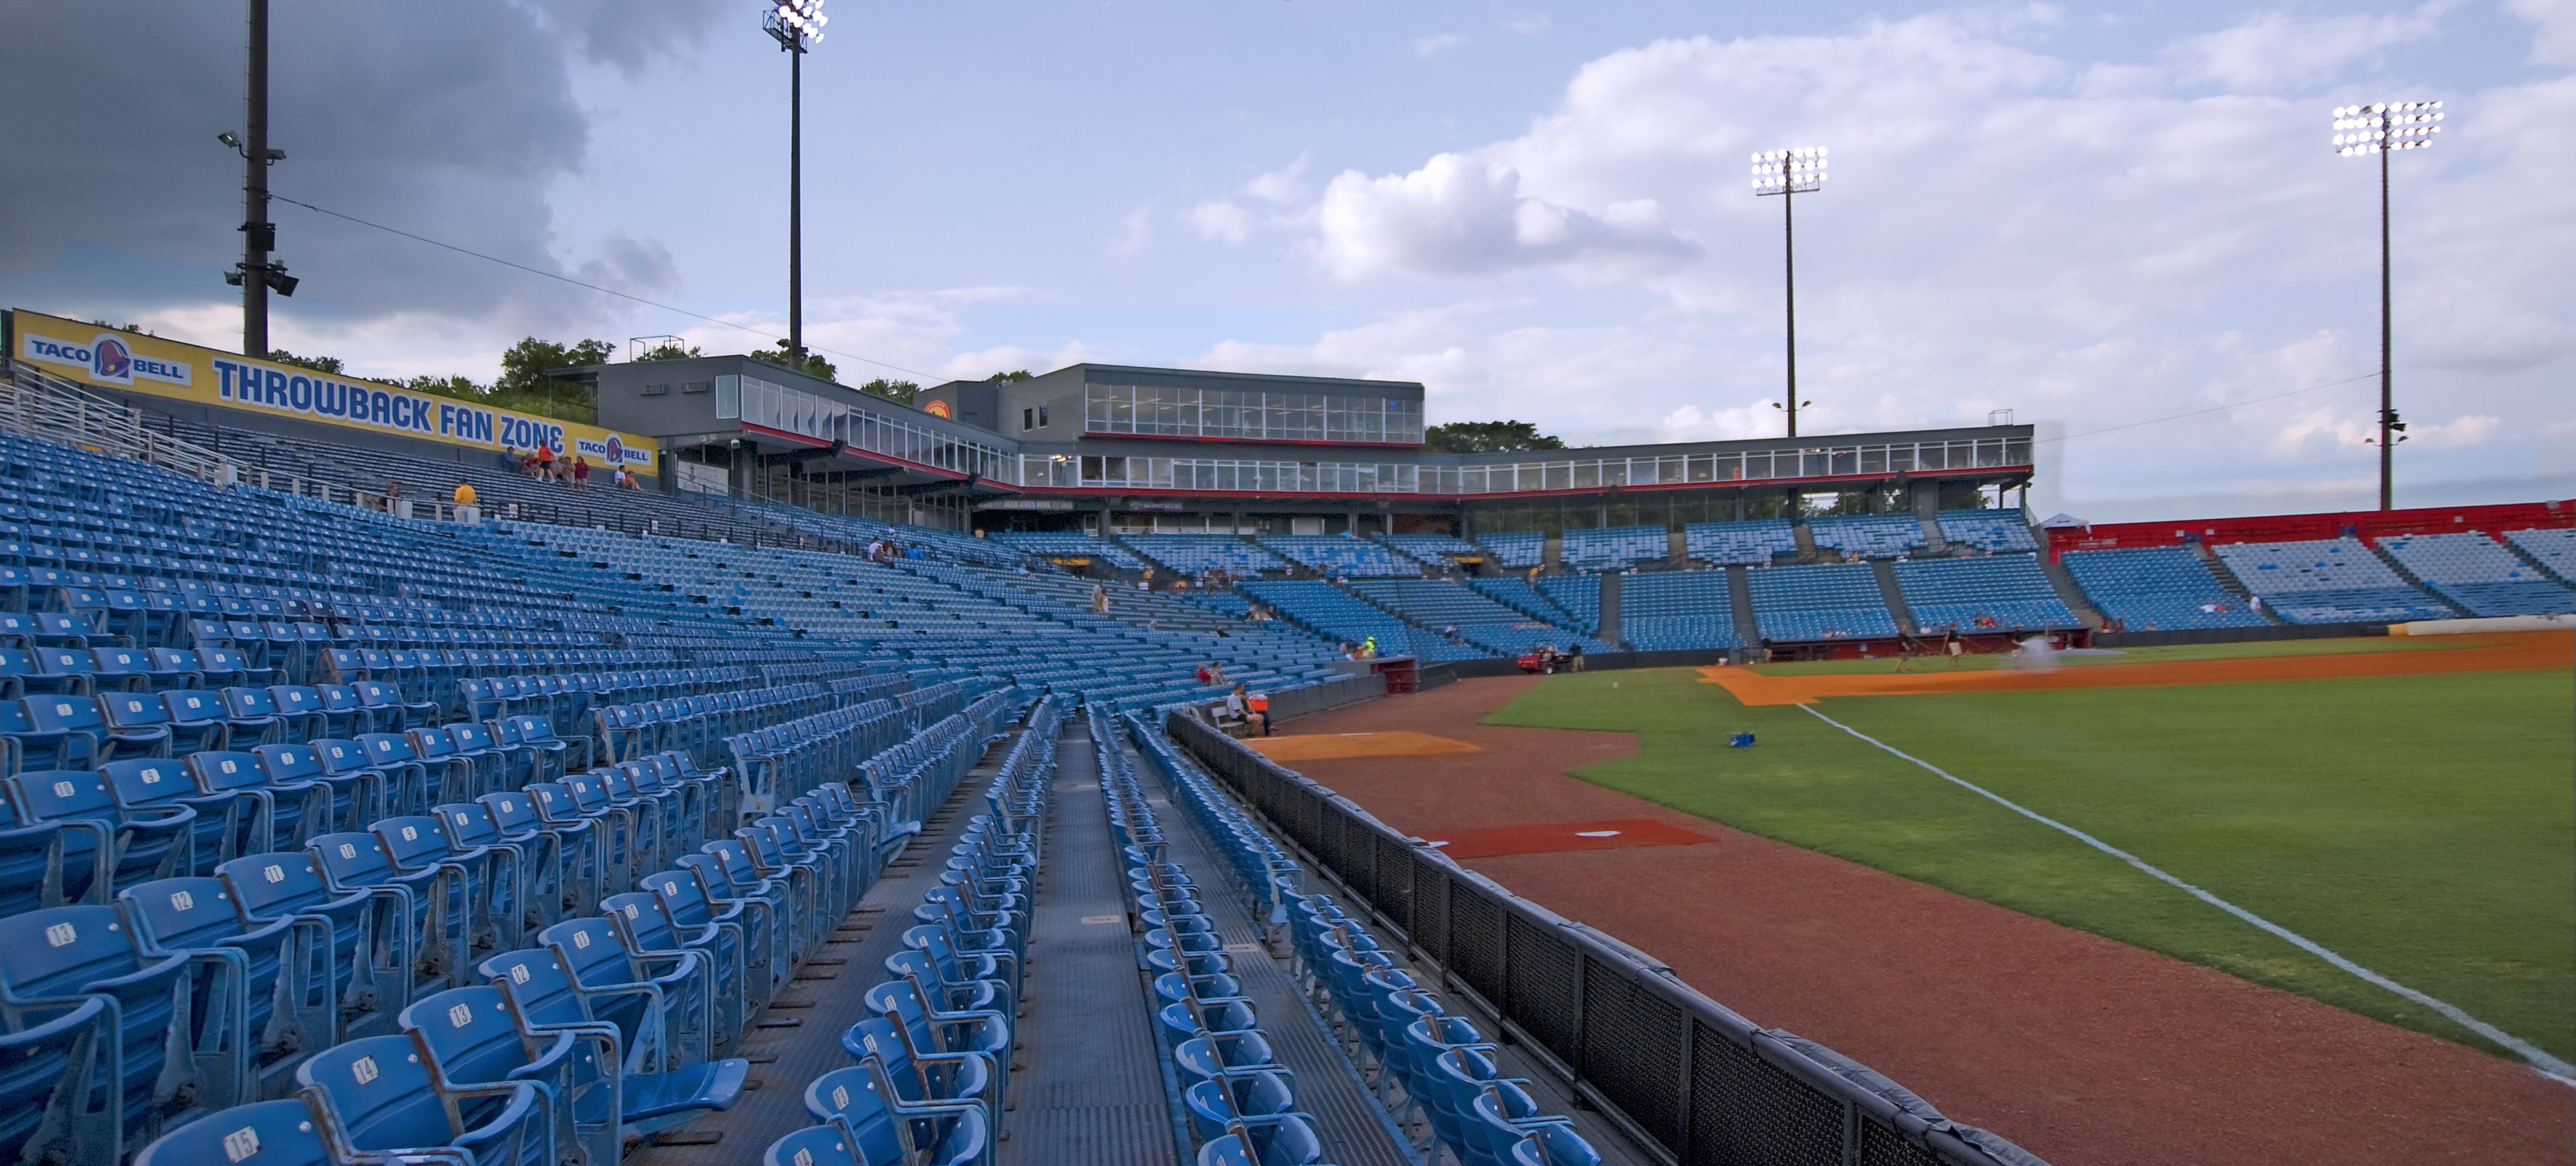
(1790, 173)
(2384, 129)
(797, 25)
(256, 274)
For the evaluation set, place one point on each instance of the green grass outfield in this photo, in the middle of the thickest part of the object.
(2417, 825)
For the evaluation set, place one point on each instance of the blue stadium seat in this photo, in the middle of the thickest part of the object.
(263, 1133)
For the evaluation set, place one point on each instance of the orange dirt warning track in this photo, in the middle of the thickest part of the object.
(2087, 1050)
(2490, 652)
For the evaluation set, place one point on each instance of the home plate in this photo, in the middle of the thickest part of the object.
(1556, 836)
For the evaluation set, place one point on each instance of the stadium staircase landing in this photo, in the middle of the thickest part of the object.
(1739, 595)
(2071, 594)
(1884, 570)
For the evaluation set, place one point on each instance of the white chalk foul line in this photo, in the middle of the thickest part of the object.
(2548, 1066)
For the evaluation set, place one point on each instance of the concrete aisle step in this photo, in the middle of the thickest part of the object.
(1090, 1089)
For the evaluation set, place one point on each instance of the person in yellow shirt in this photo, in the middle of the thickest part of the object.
(465, 493)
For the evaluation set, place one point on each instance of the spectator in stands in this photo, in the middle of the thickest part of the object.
(465, 494)
(1099, 599)
(1201, 675)
(545, 462)
(393, 495)
(1235, 705)
(580, 473)
(1368, 648)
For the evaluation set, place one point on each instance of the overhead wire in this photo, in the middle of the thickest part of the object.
(591, 286)
(2211, 409)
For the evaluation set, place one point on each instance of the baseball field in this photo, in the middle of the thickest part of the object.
(2380, 827)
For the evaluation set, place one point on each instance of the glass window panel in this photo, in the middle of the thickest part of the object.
(1560, 476)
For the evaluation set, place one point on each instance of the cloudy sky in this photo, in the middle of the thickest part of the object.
(2099, 216)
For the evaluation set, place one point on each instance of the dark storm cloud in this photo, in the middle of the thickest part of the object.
(447, 119)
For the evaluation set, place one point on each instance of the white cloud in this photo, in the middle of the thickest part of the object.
(1285, 185)
(1424, 46)
(2553, 41)
(2276, 50)
(1528, 24)
(1134, 230)
(1221, 219)
(1462, 217)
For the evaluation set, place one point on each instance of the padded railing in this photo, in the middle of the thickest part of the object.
(1679, 1070)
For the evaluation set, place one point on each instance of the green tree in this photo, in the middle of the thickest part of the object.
(899, 391)
(461, 388)
(1486, 437)
(525, 365)
(815, 365)
(329, 364)
(671, 350)
(1021, 375)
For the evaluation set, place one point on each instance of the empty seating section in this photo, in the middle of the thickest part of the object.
(1751, 543)
(1665, 611)
(1831, 601)
(2479, 573)
(2327, 581)
(1520, 596)
(1343, 617)
(1433, 549)
(2001, 531)
(1191, 554)
(1996, 592)
(2554, 548)
(1515, 550)
(1065, 546)
(1614, 548)
(1869, 536)
(1344, 557)
(856, 531)
(1579, 596)
(1443, 604)
(2157, 589)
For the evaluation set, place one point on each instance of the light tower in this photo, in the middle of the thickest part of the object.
(1790, 173)
(2384, 129)
(798, 26)
(256, 274)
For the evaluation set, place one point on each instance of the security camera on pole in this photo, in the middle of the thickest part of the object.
(2384, 129)
(1790, 173)
(798, 26)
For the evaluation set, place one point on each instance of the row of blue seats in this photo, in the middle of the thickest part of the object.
(1241, 1102)
(932, 1065)
(659, 986)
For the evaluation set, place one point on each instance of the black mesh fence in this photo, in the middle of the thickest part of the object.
(1674, 1067)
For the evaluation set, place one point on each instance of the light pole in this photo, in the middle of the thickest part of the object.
(2383, 129)
(798, 26)
(256, 274)
(1790, 173)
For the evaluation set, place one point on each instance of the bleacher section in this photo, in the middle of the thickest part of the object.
(1515, 550)
(1751, 543)
(1517, 594)
(1432, 549)
(2479, 573)
(2002, 531)
(857, 532)
(2328, 581)
(2553, 548)
(1343, 557)
(1069, 546)
(1579, 597)
(1870, 536)
(2158, 589)
(1480, 621)
(1191, 554)
(2005, 592)
(1831, 601)
(1344, 617)
(1664, 611)
(1614, 548)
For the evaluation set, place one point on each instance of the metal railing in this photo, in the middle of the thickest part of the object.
(37, 403)
(1689, 1078)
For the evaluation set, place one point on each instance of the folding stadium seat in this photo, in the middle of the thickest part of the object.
(473, 745)
(382, 1098)
(883, 1132)
(749, 927)
(494, 883)
(284, 814)
(394, 713)
(104, 846)
(302, 709)
(731, 875)
(647, 929)
(1217, 1106)
(434, 917)
(253, 717)
(564, 856)
(177, 1019)
(53, 1060)
(49, 732)
(291, 1009)
(567, 754)
(598, 961)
